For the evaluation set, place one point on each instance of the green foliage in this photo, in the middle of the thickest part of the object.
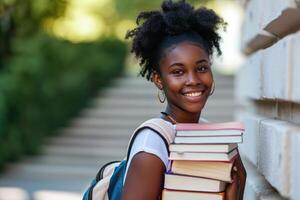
(26, 16)
(46, 82)
(131, 8)
(23, 18)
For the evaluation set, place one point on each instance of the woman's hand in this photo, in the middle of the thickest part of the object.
(235, 190)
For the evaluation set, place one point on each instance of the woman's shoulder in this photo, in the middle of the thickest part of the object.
(149, 141)
(159, 126)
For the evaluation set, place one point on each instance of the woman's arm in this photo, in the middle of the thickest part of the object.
(235, 190)
(145, 178)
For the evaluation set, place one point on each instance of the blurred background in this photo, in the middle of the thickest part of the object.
(69, 92)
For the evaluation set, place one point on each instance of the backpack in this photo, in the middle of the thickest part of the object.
(108, 183)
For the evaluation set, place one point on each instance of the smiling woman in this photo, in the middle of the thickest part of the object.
(175, 46)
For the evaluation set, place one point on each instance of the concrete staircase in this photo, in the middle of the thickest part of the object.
(98, 135)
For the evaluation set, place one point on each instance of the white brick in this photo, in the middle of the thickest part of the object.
(256, 185)
(295, 170)
(295, 96)
(273, 196)
(249, 147)
(251, 25)
(249, 78)
(257, 16)
(275, 70)
(274, 9)
(240, 84)
(275, 59)
(249, 192)
(274, 152)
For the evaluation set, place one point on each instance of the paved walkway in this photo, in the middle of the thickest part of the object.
(99, 134)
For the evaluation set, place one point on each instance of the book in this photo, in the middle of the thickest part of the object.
(209, 139)
(212, 170)
(225, 148)
(190, 183)
(187, 195)
(203, 156)
(208, 132)
(237, 127)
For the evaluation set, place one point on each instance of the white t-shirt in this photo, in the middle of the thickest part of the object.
(150, 142)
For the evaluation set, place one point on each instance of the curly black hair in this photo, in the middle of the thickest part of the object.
(173, 19)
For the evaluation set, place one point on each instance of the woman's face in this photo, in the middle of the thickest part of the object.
(186, 77)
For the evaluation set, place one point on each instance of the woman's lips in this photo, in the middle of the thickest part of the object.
(194, 97)
(193, 94)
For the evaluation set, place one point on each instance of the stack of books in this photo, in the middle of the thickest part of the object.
(201, 160)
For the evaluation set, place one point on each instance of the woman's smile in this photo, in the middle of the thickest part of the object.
(194, 97)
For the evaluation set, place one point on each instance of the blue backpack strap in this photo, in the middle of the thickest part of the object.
(159, 126)
(116, 182)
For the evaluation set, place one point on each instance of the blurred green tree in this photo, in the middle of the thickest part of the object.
(44, 80)
(130, 8)
(23, 18)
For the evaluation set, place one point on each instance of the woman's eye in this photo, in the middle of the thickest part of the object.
(202, 68)
(177, 72)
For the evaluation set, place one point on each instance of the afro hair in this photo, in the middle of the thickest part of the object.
(173, 19)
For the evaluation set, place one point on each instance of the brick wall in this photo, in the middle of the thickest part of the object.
(268, 95)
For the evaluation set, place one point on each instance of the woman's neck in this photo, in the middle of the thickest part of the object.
(182, 117)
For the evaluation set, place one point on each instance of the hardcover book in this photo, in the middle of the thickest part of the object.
(202, 156)
(217, 148)
(208, 139)
(191, 183)
(212, 170)
(235, 127)
(186, 195)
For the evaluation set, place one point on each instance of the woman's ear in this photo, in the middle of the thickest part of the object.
(156, 78)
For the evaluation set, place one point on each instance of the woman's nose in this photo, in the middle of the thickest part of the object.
(193, 79)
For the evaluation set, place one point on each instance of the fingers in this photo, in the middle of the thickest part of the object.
(242, 175)
(234, 168)
(239, 170)
(232, 188)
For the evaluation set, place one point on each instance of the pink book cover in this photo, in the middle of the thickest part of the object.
(210, 126)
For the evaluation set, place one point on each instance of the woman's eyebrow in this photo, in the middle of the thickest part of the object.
(176, 64)
(202, 61)
(180, 64)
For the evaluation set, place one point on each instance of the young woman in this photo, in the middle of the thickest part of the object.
(175, 46)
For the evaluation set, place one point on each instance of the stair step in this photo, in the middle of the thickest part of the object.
(126, 102)
(125, 113)
(45, 172)
(58, 160)
(106, 123)
(33, 185)
(136, 104)
(96, 133)
(90, 152)
(142, 82)
(141, 92)
(150, 104)
(67, 141)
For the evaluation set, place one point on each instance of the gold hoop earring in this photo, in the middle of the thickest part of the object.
(161, 99)
(213, 89)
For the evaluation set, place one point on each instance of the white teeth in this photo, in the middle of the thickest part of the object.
(193, 94)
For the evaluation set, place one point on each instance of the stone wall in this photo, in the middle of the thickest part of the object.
(268, 95)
